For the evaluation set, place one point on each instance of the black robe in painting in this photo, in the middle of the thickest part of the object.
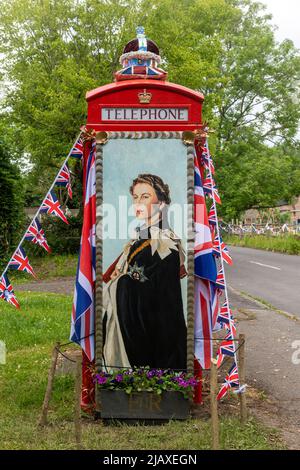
(150, 309)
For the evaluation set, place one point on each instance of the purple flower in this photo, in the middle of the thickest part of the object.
(119, 377)
(192, 382)
(101, 379)
(151, 374)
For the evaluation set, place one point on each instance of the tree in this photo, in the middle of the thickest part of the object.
(11, 196)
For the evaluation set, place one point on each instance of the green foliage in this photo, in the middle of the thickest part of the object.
(289, 244)
(251, 174)
(62, 238)
(145, 379)
(46, 266)
(56, 50)
(11, 196)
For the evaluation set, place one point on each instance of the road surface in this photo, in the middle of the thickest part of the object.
(273, 277)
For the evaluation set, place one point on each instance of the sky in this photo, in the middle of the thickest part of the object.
(286, 15)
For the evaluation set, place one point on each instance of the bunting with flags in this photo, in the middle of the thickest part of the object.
(52, 206)
(220, 247)
(220, 281)
(77, 150)
(7, 292)
(205, 265)
(224, 318)
(212, 217)
(226, 348)
(231, 380)
(224, 314)
(20, 262)
(36, 235)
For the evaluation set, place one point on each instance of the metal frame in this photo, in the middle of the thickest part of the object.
(101, 139)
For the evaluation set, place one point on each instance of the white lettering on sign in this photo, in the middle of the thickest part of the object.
(144, 114)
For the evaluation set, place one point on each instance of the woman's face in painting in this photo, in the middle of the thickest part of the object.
(145, 201)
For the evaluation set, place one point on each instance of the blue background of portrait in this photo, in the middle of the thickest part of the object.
(123, 160)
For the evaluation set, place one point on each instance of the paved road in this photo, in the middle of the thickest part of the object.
(274, 277)
(272, 363)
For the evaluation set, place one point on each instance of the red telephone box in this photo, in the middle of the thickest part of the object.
(144, 105)
(141, 102)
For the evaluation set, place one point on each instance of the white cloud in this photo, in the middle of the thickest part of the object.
(286, 14)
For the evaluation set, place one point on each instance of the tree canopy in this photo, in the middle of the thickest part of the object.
(55, 50)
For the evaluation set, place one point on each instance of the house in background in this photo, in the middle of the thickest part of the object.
(255, 216)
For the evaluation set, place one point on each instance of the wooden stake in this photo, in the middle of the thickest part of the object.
(43, 417)
(77, 407)
(242, 378)
(214, 405)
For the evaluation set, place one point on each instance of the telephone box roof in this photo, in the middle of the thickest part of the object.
(163, 85)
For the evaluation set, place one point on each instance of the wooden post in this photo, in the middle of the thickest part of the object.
(214, 405)
(242, 377)
(77, 407)
(51, 373)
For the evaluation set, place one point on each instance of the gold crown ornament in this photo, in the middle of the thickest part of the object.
(145, 97)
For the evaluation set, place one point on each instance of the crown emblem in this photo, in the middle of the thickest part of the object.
(145, 97)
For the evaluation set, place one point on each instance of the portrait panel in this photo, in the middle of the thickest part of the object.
(144, 232)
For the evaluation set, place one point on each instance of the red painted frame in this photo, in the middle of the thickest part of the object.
(125, 94)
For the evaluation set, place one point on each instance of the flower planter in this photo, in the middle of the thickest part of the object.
(143, 406)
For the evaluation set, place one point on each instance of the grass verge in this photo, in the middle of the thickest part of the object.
(289, 244)
(29, 336)
(47, 267)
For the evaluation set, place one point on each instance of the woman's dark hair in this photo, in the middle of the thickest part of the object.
(162, 190)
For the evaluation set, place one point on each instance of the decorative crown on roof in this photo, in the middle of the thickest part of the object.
(140, 59)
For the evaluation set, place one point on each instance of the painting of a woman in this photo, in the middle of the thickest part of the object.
(143, 316)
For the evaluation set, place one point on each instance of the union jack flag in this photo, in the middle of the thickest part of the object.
(220, 281)
(207, 160)
(203, 323)
(51, 206)
(20, 262)
(36, 234)
(6, 291)
(64, 179)
(227, 348)
(206, 293)
(231, 380)
(210, 188)
(225, 314)
(205, 264)
(215, 294)
(220, 247)
(212, 219)
(82, 322)
(77, 151)
(231, 327)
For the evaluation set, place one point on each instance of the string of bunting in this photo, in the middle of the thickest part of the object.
(35, 233)
(225, 318)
